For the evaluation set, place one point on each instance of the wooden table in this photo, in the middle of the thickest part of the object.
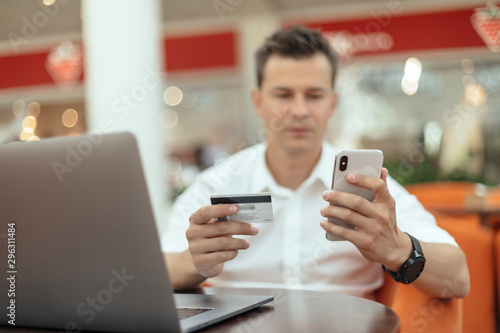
(295, 311)
(308, 311)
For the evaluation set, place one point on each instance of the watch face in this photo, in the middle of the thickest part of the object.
(413, 271)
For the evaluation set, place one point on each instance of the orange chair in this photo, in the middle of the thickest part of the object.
(475, 240)
(477, 244)
(497, 271)
(418, 312)
(444, 196)
(493, 201)
(476, 313)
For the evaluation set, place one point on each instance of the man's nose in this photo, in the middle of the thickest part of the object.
(298, 108)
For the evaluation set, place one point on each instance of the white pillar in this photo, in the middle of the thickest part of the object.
(123, 66)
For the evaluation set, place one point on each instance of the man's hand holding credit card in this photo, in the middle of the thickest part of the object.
(252, 208)
(212, 229)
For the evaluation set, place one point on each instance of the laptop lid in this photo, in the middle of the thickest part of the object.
(79, 236)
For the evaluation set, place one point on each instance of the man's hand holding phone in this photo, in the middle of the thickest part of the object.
(211, 242)
(374, 229)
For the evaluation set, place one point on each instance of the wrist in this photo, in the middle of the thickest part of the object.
(411, 269)
(404, 249)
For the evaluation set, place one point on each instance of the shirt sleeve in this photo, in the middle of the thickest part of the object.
(414, 219)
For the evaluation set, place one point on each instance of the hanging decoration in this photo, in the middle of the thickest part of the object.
(486, 21)
(64, 63)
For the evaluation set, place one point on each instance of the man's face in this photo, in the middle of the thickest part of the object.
(295, 101)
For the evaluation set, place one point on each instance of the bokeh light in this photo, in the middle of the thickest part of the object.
(168, 118)
(172, 96)
(26, 133)
(467, 66)
(29, 122)
(18, 108)
(70, 118)
(33, 109)
(409, 87)
(468, 80)
(474, 96)
(411, 77)
(413, 69)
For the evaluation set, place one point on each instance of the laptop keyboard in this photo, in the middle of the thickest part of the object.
(184, 313)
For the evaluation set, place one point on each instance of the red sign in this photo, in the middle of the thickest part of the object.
(387, 32)
(26, 70)
(203, 51)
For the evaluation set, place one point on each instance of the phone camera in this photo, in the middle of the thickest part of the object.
(343, 163)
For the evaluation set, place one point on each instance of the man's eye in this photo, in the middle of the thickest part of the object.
(283, 95)
(315, 96)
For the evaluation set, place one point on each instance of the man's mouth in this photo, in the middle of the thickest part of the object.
(299, 130)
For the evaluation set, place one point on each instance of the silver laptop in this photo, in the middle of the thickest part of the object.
(79, 248)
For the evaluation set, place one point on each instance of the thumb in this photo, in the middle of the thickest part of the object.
(384, 175)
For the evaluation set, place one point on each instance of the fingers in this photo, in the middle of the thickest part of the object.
(345, 214)
(203, 225)
(384, 175)
(207, 213)
(211, 259)
(220, 228)
(209, 254)
(355, 203)
(211, 242)
(209, 245)
(346, 233)
(376, 185)
(355, 209)
(210, 264)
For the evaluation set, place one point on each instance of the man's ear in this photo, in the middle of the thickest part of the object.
(333, 103)
(257, 100)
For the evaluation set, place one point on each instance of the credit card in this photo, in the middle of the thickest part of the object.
(253, 208)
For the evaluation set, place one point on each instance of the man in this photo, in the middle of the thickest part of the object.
(295, 98)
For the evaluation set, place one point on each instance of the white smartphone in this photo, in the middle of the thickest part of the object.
(367, 162)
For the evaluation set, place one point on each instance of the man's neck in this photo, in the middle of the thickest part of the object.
(291, 170)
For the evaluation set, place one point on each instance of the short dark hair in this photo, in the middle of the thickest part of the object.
(296, 42)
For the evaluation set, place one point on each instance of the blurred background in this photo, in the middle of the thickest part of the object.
(419, 80)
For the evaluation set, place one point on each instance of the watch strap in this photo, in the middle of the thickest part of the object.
(416, 253)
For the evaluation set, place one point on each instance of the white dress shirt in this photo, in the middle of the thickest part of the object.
(292, 252)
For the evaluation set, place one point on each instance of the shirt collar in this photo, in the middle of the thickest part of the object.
(324, 168)
(264, 181)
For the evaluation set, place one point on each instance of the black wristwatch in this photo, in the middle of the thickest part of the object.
(411, 268)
